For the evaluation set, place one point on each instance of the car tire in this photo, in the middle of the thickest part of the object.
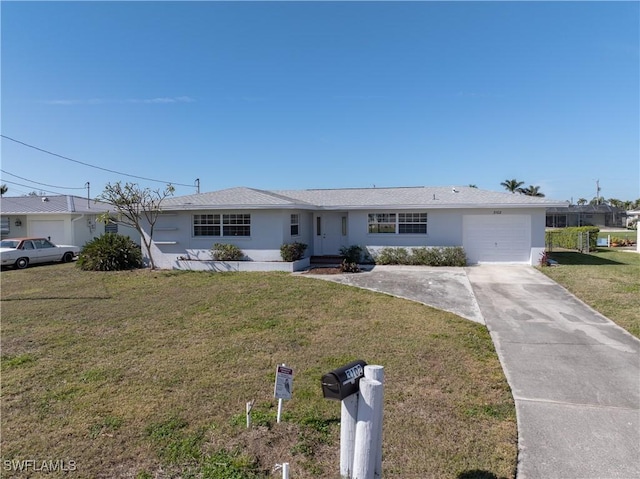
(67, 257)
(22, 263)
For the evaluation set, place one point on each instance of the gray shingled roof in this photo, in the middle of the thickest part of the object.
(239, 197)
(358, 198)
(56, 204)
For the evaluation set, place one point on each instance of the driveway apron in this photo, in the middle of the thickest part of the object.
(574, 374)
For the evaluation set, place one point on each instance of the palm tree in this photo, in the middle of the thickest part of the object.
(473, 186)
(512, 185)
(3, 189)
(582, 201)
(532, 191)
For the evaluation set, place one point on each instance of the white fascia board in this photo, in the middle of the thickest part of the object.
(431, 206)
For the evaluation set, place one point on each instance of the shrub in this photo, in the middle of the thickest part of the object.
(392, 256)
(226, 252)
(110, 252)
(349, 267)
(292, 251)
(352, 254)
(436, 256)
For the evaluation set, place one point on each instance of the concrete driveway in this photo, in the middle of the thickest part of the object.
(574, 374)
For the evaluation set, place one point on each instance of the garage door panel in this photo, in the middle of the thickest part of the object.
(497, 238)
(53, 229)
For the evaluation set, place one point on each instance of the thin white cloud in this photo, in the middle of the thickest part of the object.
(63, 102)
(102, 101)
(163, 100)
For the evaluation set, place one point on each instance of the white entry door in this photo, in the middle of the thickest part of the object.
(330, 232)
(498, 238)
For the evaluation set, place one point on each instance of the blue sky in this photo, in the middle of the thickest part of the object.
(288, 95)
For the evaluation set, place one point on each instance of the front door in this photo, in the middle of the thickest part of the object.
(330, 232)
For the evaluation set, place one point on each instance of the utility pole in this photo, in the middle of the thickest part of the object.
(597, 192)
(198, 185)
(88, 195)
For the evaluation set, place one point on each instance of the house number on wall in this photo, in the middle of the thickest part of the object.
(497, 212)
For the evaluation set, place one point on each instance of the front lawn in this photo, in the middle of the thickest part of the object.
(146, 374)
(607, 280)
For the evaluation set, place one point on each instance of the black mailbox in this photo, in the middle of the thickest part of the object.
(344, 381)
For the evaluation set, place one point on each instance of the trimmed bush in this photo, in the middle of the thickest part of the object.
(352, 254)
(110, 252)
(292, 251)
(392, 256)
(226, 252)
(568, 238)
(436, 256)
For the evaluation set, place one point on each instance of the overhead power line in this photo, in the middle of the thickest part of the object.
(29, 186)
(89, 165)
(43, 184)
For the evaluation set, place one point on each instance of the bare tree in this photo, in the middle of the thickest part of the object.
(136, 207)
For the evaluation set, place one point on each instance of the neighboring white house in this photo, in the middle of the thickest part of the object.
(491, 226)
(64, 219)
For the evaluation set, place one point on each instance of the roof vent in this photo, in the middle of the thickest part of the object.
(453, 189)
(45, 199)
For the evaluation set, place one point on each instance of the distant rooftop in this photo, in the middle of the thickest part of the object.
(55, 204)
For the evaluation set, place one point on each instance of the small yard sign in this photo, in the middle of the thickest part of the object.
(284, 382)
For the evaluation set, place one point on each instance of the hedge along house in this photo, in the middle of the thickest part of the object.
(64, 219)
(491, 226)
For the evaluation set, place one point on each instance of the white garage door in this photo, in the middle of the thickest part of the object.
(498, 238)
(48, 228)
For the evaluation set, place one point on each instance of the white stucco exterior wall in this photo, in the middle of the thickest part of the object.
(173, 237)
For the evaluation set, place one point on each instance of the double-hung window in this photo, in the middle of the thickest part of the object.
(295, 225)
(397, 223)
(412, 223)
(382, 223)
(206, 225)
(236, 225)
(222, 225)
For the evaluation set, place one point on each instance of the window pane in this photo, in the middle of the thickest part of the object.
(413, 229)
(206, 231)
(236, 230)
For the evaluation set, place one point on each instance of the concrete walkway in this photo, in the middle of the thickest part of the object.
(575, 375)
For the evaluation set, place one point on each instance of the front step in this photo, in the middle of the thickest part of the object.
(327, 259)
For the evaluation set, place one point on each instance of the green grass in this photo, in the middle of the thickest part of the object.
(146, 374)
(607, 280)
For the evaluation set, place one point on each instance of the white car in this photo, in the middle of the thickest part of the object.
(20, 252)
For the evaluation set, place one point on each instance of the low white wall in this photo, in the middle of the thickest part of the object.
(222, 266)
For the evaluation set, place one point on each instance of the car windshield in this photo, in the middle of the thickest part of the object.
(9, 244)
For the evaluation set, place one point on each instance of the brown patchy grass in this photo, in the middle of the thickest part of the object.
(146, 374)
(607, 280)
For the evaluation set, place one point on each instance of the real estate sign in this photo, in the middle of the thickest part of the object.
(284, 382)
